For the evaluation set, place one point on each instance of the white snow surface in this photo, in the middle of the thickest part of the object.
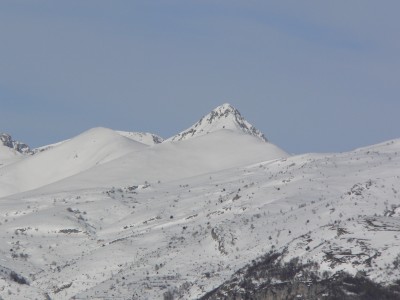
(9, 156)
(111, 218)
(142, 137)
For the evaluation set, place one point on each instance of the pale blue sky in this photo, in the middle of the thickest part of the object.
(314, 76)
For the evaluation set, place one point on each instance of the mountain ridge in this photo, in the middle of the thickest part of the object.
(222, 117)
(219, 214)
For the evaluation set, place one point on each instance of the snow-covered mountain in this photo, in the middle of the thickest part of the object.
(168, 161)
(141, 137)
(90, 149)
(223, 215)
(222, 117)
(104, 158)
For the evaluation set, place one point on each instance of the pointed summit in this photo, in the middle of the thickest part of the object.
(224, 116)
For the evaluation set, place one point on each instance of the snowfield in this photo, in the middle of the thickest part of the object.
(102, 216)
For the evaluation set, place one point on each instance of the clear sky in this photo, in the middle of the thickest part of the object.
(314, 76)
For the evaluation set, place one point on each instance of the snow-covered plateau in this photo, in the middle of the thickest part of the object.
(215, 212)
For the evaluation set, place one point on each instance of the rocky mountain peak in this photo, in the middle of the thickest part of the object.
(7, 140)
(224, 116)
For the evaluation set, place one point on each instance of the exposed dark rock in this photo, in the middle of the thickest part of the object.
(18, 278)
(271, 279)
(7, 141)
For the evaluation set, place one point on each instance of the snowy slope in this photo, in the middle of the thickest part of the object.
(93, 147)
(47, 147)
(9, 156)
(184, 238)
(222, 117)
(170, 161)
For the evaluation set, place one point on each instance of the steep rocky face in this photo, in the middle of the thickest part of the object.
(7, 141)
(222, 117)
